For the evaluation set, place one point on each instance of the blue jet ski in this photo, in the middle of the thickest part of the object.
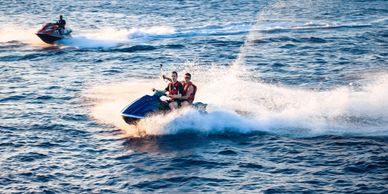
(148, 105)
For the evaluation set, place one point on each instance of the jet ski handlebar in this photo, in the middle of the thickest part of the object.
(158, 93)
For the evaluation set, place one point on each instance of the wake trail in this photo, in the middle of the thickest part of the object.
(265, 108)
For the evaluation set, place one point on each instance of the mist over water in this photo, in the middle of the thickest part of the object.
(263, 107)
(296, 93)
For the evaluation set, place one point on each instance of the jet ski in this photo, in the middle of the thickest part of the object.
(148, 105)
(51, 32)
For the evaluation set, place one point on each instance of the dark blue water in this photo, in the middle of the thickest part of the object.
(296, 90)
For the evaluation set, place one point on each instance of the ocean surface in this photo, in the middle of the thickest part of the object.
(297, 95)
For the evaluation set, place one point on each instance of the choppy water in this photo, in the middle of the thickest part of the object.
(297, 93)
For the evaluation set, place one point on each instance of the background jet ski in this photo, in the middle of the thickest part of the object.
(51, 33)
(147, 105)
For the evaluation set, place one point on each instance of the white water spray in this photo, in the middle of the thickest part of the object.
(268, 108)
(243, 105)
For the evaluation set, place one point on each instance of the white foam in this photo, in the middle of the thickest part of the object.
(243, 106)
(111, 37)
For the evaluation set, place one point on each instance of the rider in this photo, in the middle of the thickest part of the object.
(175, 91)
(61, 24)
(189, 90)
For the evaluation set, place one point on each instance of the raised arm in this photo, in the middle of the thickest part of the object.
(167, 78)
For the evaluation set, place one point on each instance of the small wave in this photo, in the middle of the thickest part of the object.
(44, 97)
(13, 98)
(12, 44)
(292, 26)
(228, 152)
(312, 39)
(21, 57)
(167, 182)
(174, 46)
(134, 48)
(168, 32)
(86, 42)
(31, 56)
(288, 46)
(11, 58)
(28, 157)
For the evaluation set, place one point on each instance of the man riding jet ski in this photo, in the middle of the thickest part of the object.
(189, 89)
(177, 95)
(61, 24)
(52, 32)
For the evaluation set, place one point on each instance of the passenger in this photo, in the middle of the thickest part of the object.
(61, 24)
(175, 91)
(189, 90)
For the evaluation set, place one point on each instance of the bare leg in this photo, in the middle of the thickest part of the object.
(173, 105)
(185, 104)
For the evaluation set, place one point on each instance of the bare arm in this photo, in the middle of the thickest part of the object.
(177, 96)
(190, 90)
(167, 78)
(180, 91)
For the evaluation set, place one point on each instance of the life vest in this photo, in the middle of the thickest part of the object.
(61, 23)
(186, 86)
(173, 88)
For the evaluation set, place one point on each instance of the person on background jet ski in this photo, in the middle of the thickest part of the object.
(175, 91)
(61, 24)
(189, 90)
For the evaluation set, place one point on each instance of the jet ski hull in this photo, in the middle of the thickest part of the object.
(51, 33)
(148, 105)
(140, 108)
(130, 119)
(48, 38)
